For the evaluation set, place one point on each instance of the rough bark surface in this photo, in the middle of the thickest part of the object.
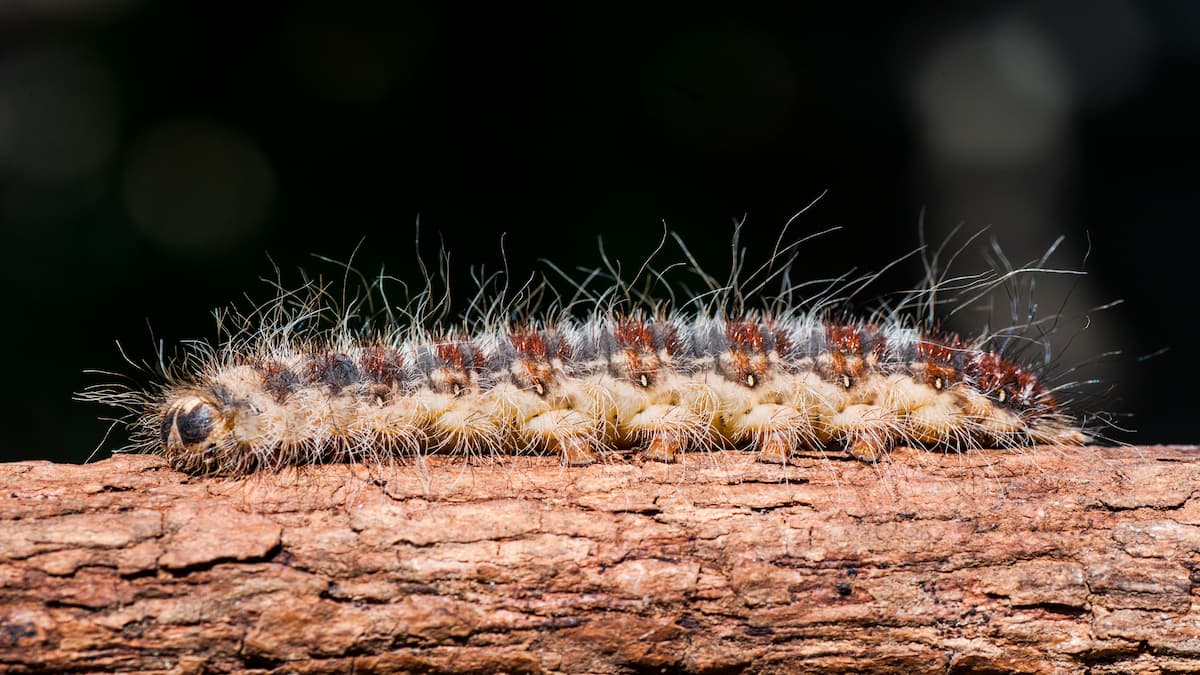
(1050, 560)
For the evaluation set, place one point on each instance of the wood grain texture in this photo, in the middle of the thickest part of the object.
(1050, 560)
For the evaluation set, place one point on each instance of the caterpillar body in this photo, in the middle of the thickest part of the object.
(282, 391)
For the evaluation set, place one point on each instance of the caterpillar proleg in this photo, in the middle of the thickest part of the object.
(308, 378)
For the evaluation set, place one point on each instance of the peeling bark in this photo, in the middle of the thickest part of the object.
(1049, 560)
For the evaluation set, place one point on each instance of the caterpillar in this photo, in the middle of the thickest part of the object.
(308, 379)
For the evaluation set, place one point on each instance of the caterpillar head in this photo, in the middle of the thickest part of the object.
(196, 434)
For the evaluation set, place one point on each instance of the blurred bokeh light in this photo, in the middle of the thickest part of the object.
(193, 185)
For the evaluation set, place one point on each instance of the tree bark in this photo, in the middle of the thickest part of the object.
(1041, 560)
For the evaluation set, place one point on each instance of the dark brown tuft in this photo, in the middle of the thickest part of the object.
(382, 365)
(330, 368)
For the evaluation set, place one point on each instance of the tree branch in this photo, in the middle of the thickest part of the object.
(1048, 559)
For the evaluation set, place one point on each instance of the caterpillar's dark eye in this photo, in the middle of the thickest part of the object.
(1002, 396)
(847, 382)
(939, 383)
(189, 423)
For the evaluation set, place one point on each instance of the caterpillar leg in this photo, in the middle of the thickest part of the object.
(386, 431)
(939, 424)
(569, 432)
(774, 430)
(463, 425)
(666, 429)
(664, 447)
(868, 431)
(774, 448)
(932, 414)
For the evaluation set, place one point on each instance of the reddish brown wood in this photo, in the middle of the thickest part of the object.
(1049, 560)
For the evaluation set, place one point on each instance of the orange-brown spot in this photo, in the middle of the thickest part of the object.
(450, 354)
(783, 343)
(745, 336)
(1009, 383)
(564, 350)
(641, 362)
(459, 356)
(458, 361)
(936, 354)
(845, 353)
(746, 353)
(533, 350)
(529, 344)
(633, 334)
(938, 349)
(939, 377)
(844, 339)
(878, 343)
(670, 339)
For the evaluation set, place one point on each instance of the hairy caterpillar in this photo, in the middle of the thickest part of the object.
(305, 379)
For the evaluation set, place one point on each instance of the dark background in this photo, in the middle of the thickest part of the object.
(152, 155)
